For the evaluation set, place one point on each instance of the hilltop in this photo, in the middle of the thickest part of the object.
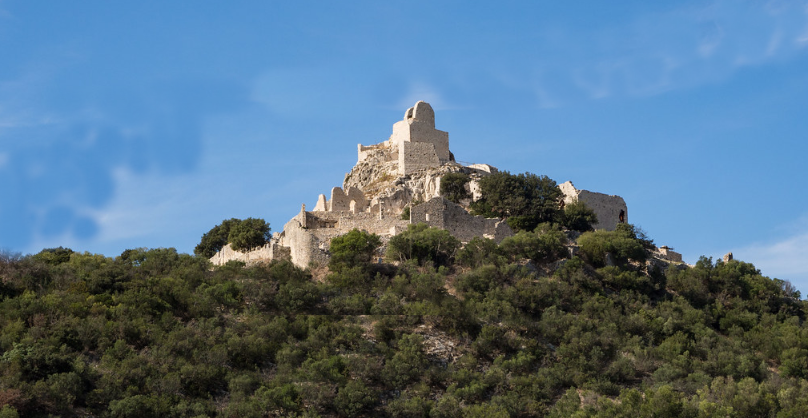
(420, 288)
(398, 182)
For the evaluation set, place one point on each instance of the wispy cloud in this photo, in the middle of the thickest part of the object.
(785, 258)
(680, 48)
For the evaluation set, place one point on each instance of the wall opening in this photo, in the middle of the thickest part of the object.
(622, 217)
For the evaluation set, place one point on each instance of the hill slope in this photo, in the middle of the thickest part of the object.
(516, 329)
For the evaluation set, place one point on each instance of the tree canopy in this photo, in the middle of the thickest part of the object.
(522, 328)
(241, 234)
(453, 186)
(524, 200)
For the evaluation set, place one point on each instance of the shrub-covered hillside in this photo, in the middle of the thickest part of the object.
(517, 329)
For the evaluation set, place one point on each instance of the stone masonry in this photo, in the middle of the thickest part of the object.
(610, 210)
(389, 177)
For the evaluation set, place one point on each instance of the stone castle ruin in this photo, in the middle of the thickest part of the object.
(403, 171)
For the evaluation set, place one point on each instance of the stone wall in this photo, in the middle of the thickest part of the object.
(350, 199)
(667, 253)
(411, 136)
(373, 151)
(610, 210)
(441, 213)
(271, 251)
(415, 156)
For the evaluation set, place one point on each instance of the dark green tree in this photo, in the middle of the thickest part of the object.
(453, 186)
(213, 240)
(242, 234)
(423, 243)
(619, 246)
(579, 217)
(355, 248)
(525, 200)
(248, 234)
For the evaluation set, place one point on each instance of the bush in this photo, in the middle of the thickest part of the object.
(354, 249)
(525, 200)
(479, 251)
(544, 245)
(621, 245)
(453, 186)
(248, 234)
(423, 244)
(579, 217)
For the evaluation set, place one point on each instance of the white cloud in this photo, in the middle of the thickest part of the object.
(681, 48)
(785, 258)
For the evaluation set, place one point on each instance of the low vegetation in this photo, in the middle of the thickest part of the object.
(518, 329)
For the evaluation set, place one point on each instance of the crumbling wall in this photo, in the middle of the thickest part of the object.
(610, 210)
(667, 253)
(441, 213)
(351, 199)
(339, 200)
(322, 204)
(271, 251)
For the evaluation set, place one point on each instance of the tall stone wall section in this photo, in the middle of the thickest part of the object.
(415, 156)
(610, 210)
(441, 213)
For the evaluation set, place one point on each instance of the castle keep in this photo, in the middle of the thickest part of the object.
(403, 171)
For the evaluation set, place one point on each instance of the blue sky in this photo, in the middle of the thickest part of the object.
(144, 124)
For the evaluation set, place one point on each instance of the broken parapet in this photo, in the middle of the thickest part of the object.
(610, 210)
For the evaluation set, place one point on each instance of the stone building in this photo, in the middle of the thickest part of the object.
(389, 177)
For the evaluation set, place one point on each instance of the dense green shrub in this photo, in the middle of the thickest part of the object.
(242, 234)
(354, 249)
(578, 216)
(479, 251)
(153, 332)
(546, 244)
(616, 247)
(424, 244)
(453, 186)
(525, 200)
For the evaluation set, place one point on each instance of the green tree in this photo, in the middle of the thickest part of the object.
(525, 200)
(423, 243)
(248, 234)
(579, 217)
(241, 234)
(213, 240)
(545, 244)
(453, 186)
(621, 245)
(353, 249)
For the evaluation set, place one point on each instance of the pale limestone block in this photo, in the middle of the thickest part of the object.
(322, 204)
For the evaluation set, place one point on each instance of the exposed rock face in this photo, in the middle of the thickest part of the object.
(404, 171)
